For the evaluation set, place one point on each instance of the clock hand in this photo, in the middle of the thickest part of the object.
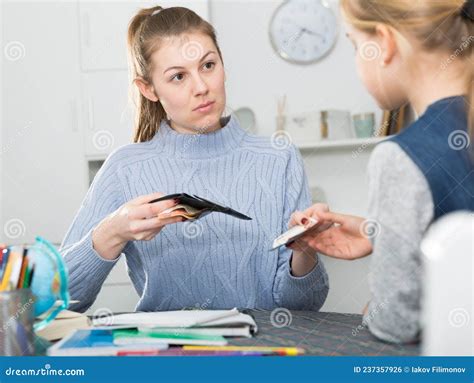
(306, 29)
(300, 33)
(310, 32)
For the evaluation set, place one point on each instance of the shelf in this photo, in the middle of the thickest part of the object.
(337, 144)
(96, 157)
(324, 144)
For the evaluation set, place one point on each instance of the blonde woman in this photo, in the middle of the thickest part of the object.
(425, 57)
(183, 144)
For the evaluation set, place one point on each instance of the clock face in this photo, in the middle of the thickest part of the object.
(303, 31)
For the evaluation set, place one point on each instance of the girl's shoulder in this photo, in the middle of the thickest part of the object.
(391, 168)
(388, 157)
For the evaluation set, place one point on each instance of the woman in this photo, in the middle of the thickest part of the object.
(422, 173)
(182, 144)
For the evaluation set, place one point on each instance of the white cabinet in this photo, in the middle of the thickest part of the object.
(43, 168)
(103, 30)
(107, 117)
(106, 113)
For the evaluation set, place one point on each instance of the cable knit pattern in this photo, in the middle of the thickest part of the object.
(217, 261)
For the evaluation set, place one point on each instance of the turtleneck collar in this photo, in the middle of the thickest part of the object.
(205, 145)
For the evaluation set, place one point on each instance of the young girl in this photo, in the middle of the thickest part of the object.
(183, 144)
(425, 57)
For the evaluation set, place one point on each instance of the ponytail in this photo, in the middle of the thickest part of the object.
(148, 113)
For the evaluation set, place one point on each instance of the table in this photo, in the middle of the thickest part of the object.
(320, 333)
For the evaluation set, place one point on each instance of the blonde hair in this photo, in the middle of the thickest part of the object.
(438, 24)
(145, 30)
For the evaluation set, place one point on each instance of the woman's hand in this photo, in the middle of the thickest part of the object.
(136, 220)
(345, 240)
(304, 257)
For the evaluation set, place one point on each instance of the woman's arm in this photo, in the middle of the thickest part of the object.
(103, 227)
(301, 281)
(87, 269)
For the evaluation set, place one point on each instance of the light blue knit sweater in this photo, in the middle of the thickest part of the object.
(218, 261)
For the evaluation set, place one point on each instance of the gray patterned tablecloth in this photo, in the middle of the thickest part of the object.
(320, 333)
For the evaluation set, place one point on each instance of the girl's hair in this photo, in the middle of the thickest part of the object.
(145, 31)
(441, 24)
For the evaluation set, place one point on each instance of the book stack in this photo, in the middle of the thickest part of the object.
(185, 332)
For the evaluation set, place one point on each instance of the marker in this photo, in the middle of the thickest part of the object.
(5, 255)
(30, 277)
(7, 274)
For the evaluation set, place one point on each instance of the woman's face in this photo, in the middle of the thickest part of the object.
(188, 79)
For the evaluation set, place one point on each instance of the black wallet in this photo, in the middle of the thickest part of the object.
(195, 207)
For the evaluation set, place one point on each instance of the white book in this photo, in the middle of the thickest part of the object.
(181, 319)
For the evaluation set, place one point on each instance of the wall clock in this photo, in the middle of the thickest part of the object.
(303, 31)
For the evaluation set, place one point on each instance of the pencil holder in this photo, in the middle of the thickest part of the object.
(17, 317)
(37, 289)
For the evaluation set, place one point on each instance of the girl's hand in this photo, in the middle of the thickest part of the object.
(136, 220)
(345, 240)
